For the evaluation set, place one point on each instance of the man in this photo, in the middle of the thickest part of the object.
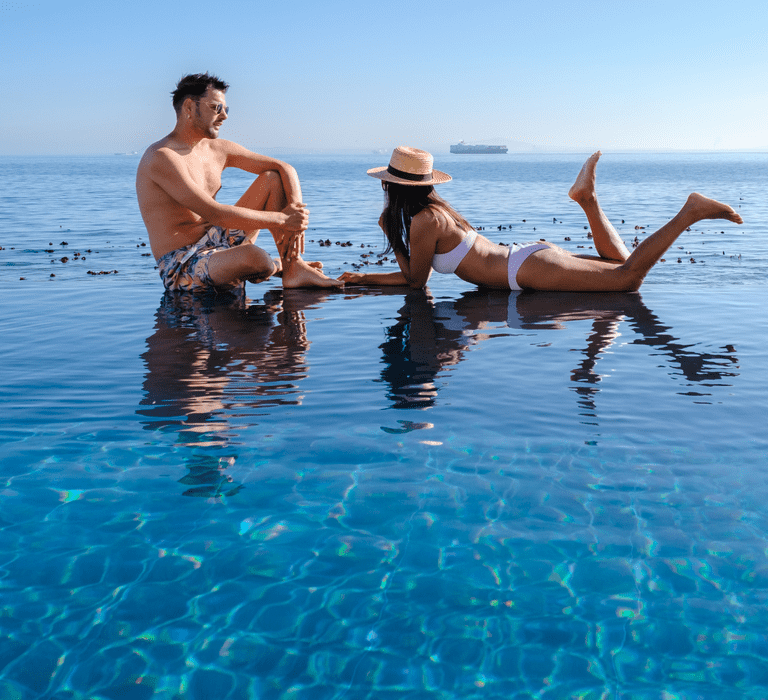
(198, 242)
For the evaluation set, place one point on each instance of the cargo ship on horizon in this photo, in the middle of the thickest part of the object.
(462, 147)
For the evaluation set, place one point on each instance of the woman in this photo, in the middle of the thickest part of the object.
(426, 233)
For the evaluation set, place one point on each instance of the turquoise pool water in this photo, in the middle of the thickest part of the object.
(383, 494)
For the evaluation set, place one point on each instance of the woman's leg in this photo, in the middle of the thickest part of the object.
(607, 241)
(696, 208)
(555, 269)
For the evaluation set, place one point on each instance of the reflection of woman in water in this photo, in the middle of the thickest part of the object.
(426, 233)
(431, 336)
(417, 348)
(606, 311)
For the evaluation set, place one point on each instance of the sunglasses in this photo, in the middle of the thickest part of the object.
(218, 107)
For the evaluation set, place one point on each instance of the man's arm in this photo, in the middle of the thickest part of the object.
(242, 158)
(168, 171)
(239, 157)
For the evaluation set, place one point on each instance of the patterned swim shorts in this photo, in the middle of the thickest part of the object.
(186, 269)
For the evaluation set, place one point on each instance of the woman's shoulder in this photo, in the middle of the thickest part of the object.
(433, 216)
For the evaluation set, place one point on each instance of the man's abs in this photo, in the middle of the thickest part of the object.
(162, 241)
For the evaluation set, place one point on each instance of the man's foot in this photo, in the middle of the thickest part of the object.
(299, 273)
(312, 263)
(583, 190)
(701, 207)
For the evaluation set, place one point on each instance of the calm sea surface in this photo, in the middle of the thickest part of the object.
(382, 493)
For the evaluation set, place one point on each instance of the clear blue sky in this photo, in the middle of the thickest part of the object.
(95, 77)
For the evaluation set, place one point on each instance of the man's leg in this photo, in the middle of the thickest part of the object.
(608, 243)
(266, 194)
(245, 261)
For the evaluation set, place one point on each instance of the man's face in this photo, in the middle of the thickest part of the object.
(209, 112)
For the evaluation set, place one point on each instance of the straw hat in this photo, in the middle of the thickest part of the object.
(410, 166)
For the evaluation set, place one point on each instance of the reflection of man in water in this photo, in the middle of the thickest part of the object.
(212, 355)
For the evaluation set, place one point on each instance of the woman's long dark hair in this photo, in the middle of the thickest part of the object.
(403, 202)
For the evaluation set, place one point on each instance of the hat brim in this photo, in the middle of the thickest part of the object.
(438, 177)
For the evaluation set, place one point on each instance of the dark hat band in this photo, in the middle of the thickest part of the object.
(408, 176)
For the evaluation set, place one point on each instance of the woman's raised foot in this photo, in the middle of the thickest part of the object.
(583, 189)
(700, 207)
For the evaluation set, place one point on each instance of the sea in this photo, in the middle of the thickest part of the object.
(384, 494)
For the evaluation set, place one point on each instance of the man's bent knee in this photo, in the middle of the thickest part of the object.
(257, 260)
(272, 179)
(265, 193)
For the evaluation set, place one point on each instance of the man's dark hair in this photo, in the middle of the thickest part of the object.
(195, 86)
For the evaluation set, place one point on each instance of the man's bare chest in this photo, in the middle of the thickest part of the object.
(205, 172)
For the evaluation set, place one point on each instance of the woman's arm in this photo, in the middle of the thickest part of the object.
(416, 268)
(381, 279)
(378, 279)
(385, 279)
(425, 230)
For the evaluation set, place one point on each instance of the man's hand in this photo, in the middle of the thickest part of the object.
(292, 243)
(298, 217)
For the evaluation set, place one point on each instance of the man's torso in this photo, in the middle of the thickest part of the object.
(170, 224)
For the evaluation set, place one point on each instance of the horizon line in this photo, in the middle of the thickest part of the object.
(371, 151)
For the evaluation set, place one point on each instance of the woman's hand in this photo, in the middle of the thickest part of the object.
(352, 277)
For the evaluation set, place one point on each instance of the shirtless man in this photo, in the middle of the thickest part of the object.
(198, 242)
